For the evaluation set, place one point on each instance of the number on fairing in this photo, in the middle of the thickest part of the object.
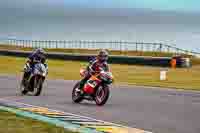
(93, 83)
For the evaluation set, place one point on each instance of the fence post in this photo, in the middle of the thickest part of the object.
(136, 46)
(168, 49)
(18, 43)
(121, 47)
(56, 42)
(29, 44)
(9, 42)
(26, 42)
(80, 44)
(21, 43)
(142, 46)
(160, 47)
(37, 44)
(40, 43)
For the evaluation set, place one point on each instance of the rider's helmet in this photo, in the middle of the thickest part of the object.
(40, 51)
(102, 56)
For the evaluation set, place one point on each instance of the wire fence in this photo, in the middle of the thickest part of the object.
(111, 45)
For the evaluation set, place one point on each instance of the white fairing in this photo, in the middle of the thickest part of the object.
(40, 69)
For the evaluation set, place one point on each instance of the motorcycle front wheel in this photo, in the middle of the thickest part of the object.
(102, 94)
(37, 85)
(76, 95)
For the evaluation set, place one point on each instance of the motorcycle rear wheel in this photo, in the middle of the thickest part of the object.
(22, 89)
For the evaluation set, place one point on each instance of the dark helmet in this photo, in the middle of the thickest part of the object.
(40, 51)
(102, 55)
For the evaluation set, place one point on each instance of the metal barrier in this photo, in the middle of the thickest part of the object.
(111, 45)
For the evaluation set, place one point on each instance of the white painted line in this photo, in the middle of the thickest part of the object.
(80, 120)
(113, 124)
(89, 123)
(67, 113)
(65, 117)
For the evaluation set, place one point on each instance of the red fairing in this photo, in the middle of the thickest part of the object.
(88, 89)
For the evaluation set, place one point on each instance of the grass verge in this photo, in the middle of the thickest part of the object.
(129, 74)
(11, 123)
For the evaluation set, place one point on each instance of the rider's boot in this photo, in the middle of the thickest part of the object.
(82, 83)
(27, 70)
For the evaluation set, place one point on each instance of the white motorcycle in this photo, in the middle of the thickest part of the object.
(35, 81)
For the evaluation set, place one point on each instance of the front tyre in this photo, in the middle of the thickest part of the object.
(76, 95)
(102, 94)
(38, 84)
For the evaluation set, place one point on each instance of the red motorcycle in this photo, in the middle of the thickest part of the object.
(95, 89)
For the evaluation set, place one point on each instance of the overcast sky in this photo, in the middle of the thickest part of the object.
(175, 5)
(172, 21)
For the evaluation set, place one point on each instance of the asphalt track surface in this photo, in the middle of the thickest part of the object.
(151, 109)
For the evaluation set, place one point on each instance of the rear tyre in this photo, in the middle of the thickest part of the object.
(101, 96)
(76, 95)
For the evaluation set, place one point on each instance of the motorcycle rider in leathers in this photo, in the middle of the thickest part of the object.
(100, 63)
(38, 55)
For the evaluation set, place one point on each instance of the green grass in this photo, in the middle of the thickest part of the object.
(11, 123)
(127, 74)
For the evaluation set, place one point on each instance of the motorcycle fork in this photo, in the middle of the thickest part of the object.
(35, 82)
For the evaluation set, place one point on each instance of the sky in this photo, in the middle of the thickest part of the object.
(168, 5)
(170, 21)
(165, 5)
